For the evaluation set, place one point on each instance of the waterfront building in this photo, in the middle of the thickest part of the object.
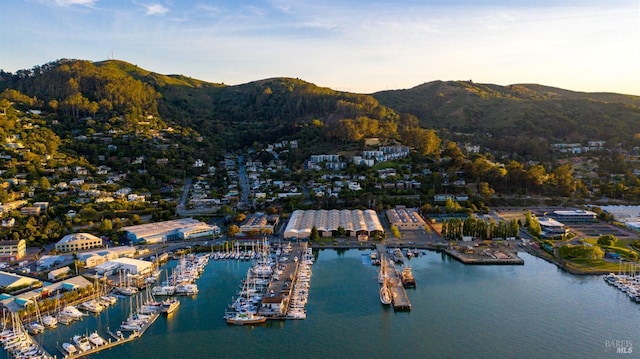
(11, 251)
(356, 223)
(59, 273)
(126, 265)
(552, 228)
(259, 223)
(177, 229)
(405, 218)
(78, 242)
(10, 281)
(19, 301)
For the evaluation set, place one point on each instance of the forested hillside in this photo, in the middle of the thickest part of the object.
(120, 96)
(523, 119)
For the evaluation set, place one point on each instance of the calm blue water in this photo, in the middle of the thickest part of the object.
(530, 311)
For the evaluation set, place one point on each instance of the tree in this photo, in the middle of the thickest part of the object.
(240, 217)
(607, 240)
(395, 231)
(106, 225)
(314, 234)
(232, 230)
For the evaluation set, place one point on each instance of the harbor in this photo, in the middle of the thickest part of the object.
(140, 308)
(343, 298)
(83, 345)
(276, 286)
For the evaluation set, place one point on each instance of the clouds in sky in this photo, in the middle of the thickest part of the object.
(75, 2)
(156, 9)
(354, 45)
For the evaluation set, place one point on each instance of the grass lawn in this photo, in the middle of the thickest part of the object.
(593, 265)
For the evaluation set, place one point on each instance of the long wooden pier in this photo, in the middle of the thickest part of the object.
(399, 299)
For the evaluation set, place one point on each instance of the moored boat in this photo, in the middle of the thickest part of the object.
(82, 342)
(169, 305)
(245, 318)
(385, 294)
(49, 321)
(69, 348)
(96, 339)
(407, 277)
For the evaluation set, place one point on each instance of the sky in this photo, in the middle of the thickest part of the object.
(348, 45)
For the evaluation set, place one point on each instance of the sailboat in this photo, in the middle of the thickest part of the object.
(36, 326)
(127, 288)
(385, 293)
(49, 320)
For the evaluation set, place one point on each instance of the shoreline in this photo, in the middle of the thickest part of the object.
(427, 246)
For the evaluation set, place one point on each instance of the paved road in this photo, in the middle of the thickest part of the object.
(244, 183)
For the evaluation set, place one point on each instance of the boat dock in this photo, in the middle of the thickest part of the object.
(31, 341)
(484, 256)
(113, 340)
(400, 300)
(280, 291)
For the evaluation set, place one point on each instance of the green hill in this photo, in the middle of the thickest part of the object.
(497, 115)
(521, 119)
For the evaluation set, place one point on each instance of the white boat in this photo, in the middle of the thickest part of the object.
(49, 321)
(128, 326)
(245, 318)
(186, 289)
(108, 300)
(127, 290)
(92, 306)
(163, 290)
(69, 348)
(82, 343)
(72, 312)
(169, 305)
(35, 328)
(385, 295)
(96, 339)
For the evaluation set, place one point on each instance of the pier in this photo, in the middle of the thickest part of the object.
(399, 299)
(279, 293)
(485, 256)
(112, 341)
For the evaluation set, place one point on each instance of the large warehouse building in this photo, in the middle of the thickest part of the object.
(355, 223)
(405, 218)
(186, 228)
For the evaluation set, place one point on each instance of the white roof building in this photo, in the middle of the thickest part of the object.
(355, 222)
(127, 265)
(185, 228)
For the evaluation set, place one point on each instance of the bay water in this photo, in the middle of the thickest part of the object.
(458, 311)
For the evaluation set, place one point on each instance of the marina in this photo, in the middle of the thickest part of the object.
(344, 299)
(276, 286)
(143, 311)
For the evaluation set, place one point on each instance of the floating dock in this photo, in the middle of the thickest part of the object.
(113, 340)
(492, 257)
